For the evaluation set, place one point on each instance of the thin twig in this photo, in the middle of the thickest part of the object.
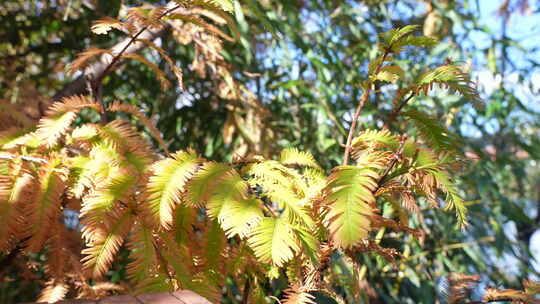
(270, 210)
(348, 146)
(97, 82)
(363, 100)
(133, 39)
(27, 158)
(395, 157)
(398, 109)
(246, 291)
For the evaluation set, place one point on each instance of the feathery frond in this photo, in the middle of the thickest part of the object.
(54, 291)
(84, 58)
(83, 173)
(228, 202)
(45, 209)
(105, 243)
(394, 35)
(107, 195)
(16, 192)
(453, 199)
(395, 40)
(12, 137)
(238, 217)
(389, 73)
(57, 251)
(213, 251)
(375, 139)
(295, 208)
(432, 130)
(229, 187)
(202, 186)
(60, 116)
(105, 24)
(271, 174)
(273, 241)
(147, 122)
(142, 252)
(296, 294)
(348, 198)
(123, 138)
(166, 184)
(293, 156)
(184, 223)
(451, 77)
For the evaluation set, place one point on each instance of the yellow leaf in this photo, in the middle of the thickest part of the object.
(104, 25)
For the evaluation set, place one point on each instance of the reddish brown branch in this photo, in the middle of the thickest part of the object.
(348, 146)
(395, 111)
(363, 100)
(97, 69)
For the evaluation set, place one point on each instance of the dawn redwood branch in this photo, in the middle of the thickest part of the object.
(395, 158)
(95, 83)
(398, 109)
(129, 43)
(98, 70)
(23, 157)
(363, 100)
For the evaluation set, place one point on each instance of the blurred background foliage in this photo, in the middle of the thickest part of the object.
(303, 61)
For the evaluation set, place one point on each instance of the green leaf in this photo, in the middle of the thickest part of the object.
(229, 187)
(292, 156)
(433, 131)
(453, 200)
(103, 198)
(375, 139)
(229, 203)
(452, 77)
(310, 245)
(165, 186)
(106, 243)
(349, 195)
(273, 241)
(389, 73)
(294, 207)
(238, 217)
(395, 35)
(141, 252)
(203, 183)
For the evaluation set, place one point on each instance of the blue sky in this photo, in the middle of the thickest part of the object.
(525, 29)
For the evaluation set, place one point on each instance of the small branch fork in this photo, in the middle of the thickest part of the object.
(395, 157)
(398, 109)
(96, 83)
